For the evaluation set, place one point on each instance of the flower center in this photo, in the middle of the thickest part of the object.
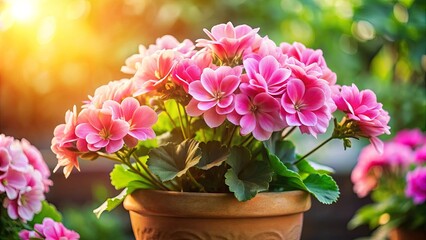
(253, 108)
(298, 106)
(104, 134)
(218, 95)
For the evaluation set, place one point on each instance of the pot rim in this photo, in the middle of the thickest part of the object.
(216, 205)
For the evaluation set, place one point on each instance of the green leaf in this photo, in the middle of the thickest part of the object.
(121, 176)
(306, 166)
(173, 160)
(323, 187)
(213, 154)
(246, 177)
(284, 150)
(111, 203)
(47, 210)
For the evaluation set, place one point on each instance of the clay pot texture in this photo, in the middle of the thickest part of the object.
(404, 234)
(158, 215)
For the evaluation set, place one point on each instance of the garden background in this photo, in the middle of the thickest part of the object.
(53, 54)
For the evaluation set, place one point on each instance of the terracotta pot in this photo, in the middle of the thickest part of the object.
(405, 234)
(181, 215)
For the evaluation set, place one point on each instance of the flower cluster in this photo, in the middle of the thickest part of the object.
(397, 179)
(49, 230)
(24, 180)
(206, 103)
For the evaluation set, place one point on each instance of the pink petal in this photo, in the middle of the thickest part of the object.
(295, 90)
(83, 129)
(267, 66)
(229, 84)
(192, 108)
(144, 116)
(93, 138)
(261, 134)
(307, 118)
(314, 99)
(248, 124)
(197, 90)
(204, 106)
(129, 106)
(242, 104)
(114, 146)
(118, 130)
(209, 81)
(213, 119)
(114, 107)
(225, 102)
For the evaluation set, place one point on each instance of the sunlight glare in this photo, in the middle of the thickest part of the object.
(23, 10)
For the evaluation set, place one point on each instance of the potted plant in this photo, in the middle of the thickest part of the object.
(208, 125)
(397, 183)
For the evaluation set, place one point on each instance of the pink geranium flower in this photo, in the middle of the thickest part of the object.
(410, 137)
(265, 75)
(64, 143)
(140, 119)
(28, 201)
(154, 71)
(189, 70)
(228, 42)
(371, 165)
(416, 185)
(12, 182)
(114, 90)
(49, 230)
(100, 131)
(213, 95)
(36, 160)
(308, 57)
(259, 115)
(363, 108)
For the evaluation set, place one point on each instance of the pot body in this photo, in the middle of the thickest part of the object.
(404, 234)
(168, 215)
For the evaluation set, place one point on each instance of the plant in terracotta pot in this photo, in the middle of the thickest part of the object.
(211, 121)
(396, 180)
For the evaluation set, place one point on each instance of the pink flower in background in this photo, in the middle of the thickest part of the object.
(101, 131)
(154, 71)
(36, 160)
(28, 201)
(416, 185)
(140, 119)
(420, 154)
(49, 230)
(410, 137)
(12, 182)
(228, 42)
(259, 115)
(213, 95)
(265, 75)
(308, 57)
(363, 108)
(371, 165)
(5, 160)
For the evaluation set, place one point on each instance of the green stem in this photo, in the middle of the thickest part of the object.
(110, 157)
(182, 127)
(170, 117)
(247, 140)
(289, 132)
(197, 184)
(153, 178)
(232, 136)
(315, 149)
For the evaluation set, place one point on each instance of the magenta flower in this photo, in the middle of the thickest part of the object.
(416, 185)
(410, 137)
(371, 165)
(100, 131)
(229, 42)
(259, 115)
(49, 230)
(420, 154)
(308, 57)
(265, 75)
(154, 71)
(363, 108)
(140, 119)
(213, 95)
